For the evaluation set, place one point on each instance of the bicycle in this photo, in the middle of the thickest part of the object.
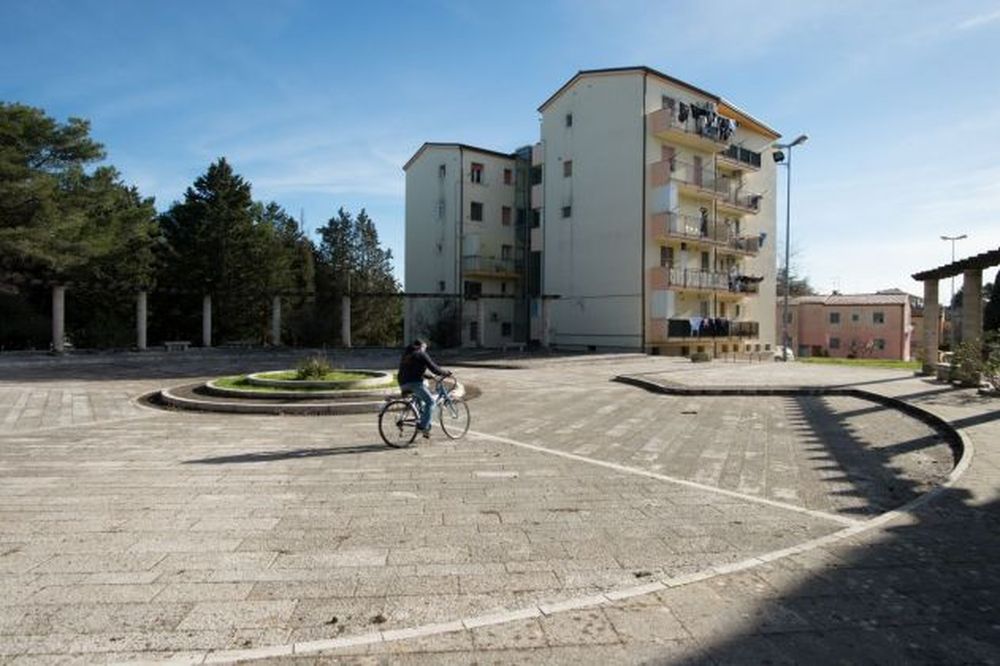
(399, 417)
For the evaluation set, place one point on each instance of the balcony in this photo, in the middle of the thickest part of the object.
(699, 182)
(537, 154)
(537, 196)
(686, 279)
(700, 231)
(739, 158)
(702, 328)
(475, 265)
(733, 198)
(693, 132)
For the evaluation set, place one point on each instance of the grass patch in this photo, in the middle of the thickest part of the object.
(332, 376)
(240, 382)
(887, 363)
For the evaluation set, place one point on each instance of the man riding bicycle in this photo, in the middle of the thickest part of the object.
(412, 367)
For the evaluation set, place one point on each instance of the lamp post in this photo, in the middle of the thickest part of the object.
(779, 156)
(951, 325)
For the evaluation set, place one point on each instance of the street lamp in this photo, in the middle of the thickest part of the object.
(779, 156)
(951, 326)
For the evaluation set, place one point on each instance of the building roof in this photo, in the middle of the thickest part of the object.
(464, 146)
(852, 299)
(726, 107)
(978, 262)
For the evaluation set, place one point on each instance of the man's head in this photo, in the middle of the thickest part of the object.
(419, 344)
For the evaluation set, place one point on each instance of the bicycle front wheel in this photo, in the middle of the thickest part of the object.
(397, 423)
(455, 418)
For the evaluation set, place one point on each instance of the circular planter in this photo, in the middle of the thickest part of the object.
(231, 392)
(370, 379)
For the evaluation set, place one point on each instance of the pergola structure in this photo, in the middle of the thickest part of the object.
(971, 270)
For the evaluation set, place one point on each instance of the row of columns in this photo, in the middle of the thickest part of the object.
(972, 316)
(141, 319)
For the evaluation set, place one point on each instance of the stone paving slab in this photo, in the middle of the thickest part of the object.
(256, 533)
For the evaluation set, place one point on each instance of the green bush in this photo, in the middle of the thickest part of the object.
(314, 367)
(700, 357)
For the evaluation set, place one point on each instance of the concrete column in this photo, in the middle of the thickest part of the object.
(345, 321)
(206, 321)
(481, 318)
(58, 317)
(546, 318)
(972, 307)
(276, 321)
(140, 320)
(407, 320)
(930, 341)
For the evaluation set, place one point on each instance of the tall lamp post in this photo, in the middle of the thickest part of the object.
(951, 326)
(779, 156)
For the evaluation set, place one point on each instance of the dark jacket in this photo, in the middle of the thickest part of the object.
(414, 364)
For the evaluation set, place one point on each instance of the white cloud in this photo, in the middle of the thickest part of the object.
(979, 20)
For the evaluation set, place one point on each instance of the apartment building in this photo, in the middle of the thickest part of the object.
(651, 223)
(851, 325)
(466, 210)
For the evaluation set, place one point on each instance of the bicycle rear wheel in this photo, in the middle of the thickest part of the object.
(455, 418)
(397, 423)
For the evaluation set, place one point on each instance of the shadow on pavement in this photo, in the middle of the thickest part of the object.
(926, 592)
(272, 456)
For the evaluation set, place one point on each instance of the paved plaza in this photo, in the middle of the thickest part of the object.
(582, 520)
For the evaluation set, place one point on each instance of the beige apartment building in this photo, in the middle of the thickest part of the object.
(464, 256)
(651, 222)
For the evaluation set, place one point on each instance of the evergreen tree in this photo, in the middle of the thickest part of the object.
(218, 244)
(991, 313)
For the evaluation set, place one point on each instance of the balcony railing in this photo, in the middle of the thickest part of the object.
(711, 327)
(702, 128)
(475, 263)
(732, 195)
(741, 156)
(685, 173)
(695, 228)
(668, 277)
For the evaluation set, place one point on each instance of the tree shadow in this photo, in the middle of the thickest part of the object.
(294, 454)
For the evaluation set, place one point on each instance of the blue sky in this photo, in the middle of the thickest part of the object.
(319, 103)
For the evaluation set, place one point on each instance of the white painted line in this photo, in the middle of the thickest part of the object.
(677, 581)
(638, 591)
(501, 618)
(748, 563)
(336, 643)
(425, 630)
(573, 604)
(843, 520)
(229, 656)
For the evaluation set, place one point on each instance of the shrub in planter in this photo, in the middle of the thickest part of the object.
(314, 367)
(700, 357)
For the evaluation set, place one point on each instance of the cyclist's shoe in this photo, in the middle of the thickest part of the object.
(425, 432)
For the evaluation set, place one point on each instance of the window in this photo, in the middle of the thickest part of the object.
(834, 343)
(666, 256)
(442, 170)
(725, 348)
(704, 308)
(567, 211)
(878, 318)
(476, 175)
(536, 218)
(476, 212)
(789, 316)
(767, 347)
(521, 216)
(569, 120)
(473, 289)
(503, 287)
(474, 331)
(505, 329)
(440, 285)
(834, 317)
(506, 252)
(505, 216)
(567, 168)
(705, 261)
(738, 311)
(855, 317)
(508, 177)
(879, 344)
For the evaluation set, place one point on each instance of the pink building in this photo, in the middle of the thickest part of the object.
(850, 325)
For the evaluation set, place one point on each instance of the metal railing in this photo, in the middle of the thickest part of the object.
(711, 327)
(702, 125)
(475, 263)
(742, 155)
(686, 278)
(714, 231)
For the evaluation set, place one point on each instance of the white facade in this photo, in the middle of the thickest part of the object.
(460, 243)
(645, 222)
